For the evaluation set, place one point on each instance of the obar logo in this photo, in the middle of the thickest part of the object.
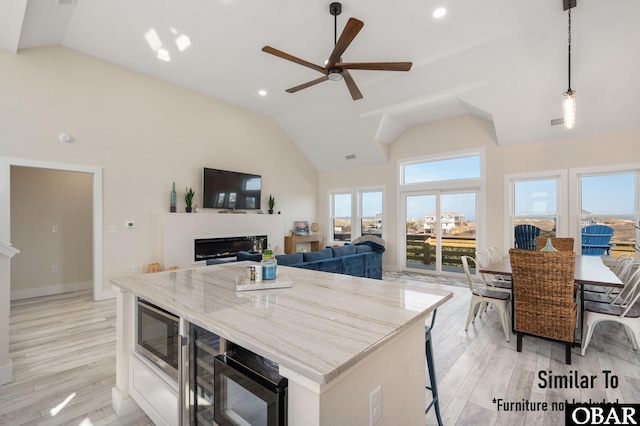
(602, 414)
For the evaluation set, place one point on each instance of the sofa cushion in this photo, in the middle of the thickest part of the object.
(289, 259)
(245, 255)
(345, 250)
(363, 249)
(312, 256)
(333, 265)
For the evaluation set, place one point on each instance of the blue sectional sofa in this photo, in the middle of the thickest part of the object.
(359, 260)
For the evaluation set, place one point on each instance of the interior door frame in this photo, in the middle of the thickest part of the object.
(5, 210)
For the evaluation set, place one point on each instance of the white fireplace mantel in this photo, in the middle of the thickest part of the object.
(181, 229)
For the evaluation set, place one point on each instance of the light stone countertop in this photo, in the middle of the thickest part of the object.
(320, 327)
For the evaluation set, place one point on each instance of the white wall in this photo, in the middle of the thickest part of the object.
(42, 199)
(144, 134)
(462, 133)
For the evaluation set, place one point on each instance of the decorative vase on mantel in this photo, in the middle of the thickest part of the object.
(172, 200)
(549, 246)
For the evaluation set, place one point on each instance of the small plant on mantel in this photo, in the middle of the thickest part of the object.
(271, 202)
(188, 198)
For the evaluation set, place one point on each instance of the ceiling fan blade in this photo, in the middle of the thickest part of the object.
(351, 84)
(308, 84)
(375, 66)
(283, 55)
(350, 32)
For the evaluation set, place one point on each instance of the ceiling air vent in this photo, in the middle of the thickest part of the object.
(65, 2)
(557, 121)
(350, 157)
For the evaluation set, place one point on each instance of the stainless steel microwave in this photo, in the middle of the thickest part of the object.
(158, 336)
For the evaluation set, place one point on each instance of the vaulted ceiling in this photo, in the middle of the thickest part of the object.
(503, 60)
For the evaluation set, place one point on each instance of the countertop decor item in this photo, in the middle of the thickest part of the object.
(549, 246)
(188, 198)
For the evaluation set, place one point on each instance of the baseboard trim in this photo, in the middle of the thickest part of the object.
(6, 373)
(49, 290)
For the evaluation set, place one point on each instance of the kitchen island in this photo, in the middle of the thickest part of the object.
(336, 338)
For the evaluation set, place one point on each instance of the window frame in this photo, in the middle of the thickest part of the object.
(562, 201)
(575, 189)
(356, 211)
(443, 186)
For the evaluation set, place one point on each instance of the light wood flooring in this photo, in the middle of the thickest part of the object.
(477, 366)
(65, 345)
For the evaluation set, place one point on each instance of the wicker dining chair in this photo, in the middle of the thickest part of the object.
(559, 243)
(543, 293)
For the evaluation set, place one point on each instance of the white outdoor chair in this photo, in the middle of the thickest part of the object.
(623, 313)
(480, 295)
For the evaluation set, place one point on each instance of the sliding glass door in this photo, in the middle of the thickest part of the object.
(440, 228)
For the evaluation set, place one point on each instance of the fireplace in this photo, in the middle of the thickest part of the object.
(218, 248)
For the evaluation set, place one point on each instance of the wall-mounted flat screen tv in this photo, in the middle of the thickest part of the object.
(223, 189)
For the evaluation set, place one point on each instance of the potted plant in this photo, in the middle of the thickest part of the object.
(188, 198)
(271, 203)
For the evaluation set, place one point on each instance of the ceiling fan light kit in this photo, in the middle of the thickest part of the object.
(335, 69)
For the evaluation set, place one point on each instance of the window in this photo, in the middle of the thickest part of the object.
(611, 200)
(536, 203)
(440, 198)
(341, 217)
(351, 219)
(561, 206)
(371, 213)
(538, 199)
(458, 168)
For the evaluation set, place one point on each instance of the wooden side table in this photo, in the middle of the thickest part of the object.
(291, 242)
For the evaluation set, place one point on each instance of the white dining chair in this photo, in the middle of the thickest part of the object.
(494, 282)
(481, 295)
(622, 313)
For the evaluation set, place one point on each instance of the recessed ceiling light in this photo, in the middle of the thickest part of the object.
(262, 93)
(439, 12)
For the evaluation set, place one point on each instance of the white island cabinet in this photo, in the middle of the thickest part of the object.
(336, 338)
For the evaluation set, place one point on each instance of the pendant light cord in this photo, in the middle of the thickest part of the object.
(569, 49)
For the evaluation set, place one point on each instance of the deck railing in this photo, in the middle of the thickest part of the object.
(422, 249)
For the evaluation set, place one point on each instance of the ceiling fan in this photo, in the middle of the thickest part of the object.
(335, 69)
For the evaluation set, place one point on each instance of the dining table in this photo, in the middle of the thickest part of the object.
(590, 270)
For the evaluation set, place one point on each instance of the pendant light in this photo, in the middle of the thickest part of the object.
(569, 102)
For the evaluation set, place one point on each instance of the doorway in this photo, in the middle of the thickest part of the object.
(440, 228)
(5, 212)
